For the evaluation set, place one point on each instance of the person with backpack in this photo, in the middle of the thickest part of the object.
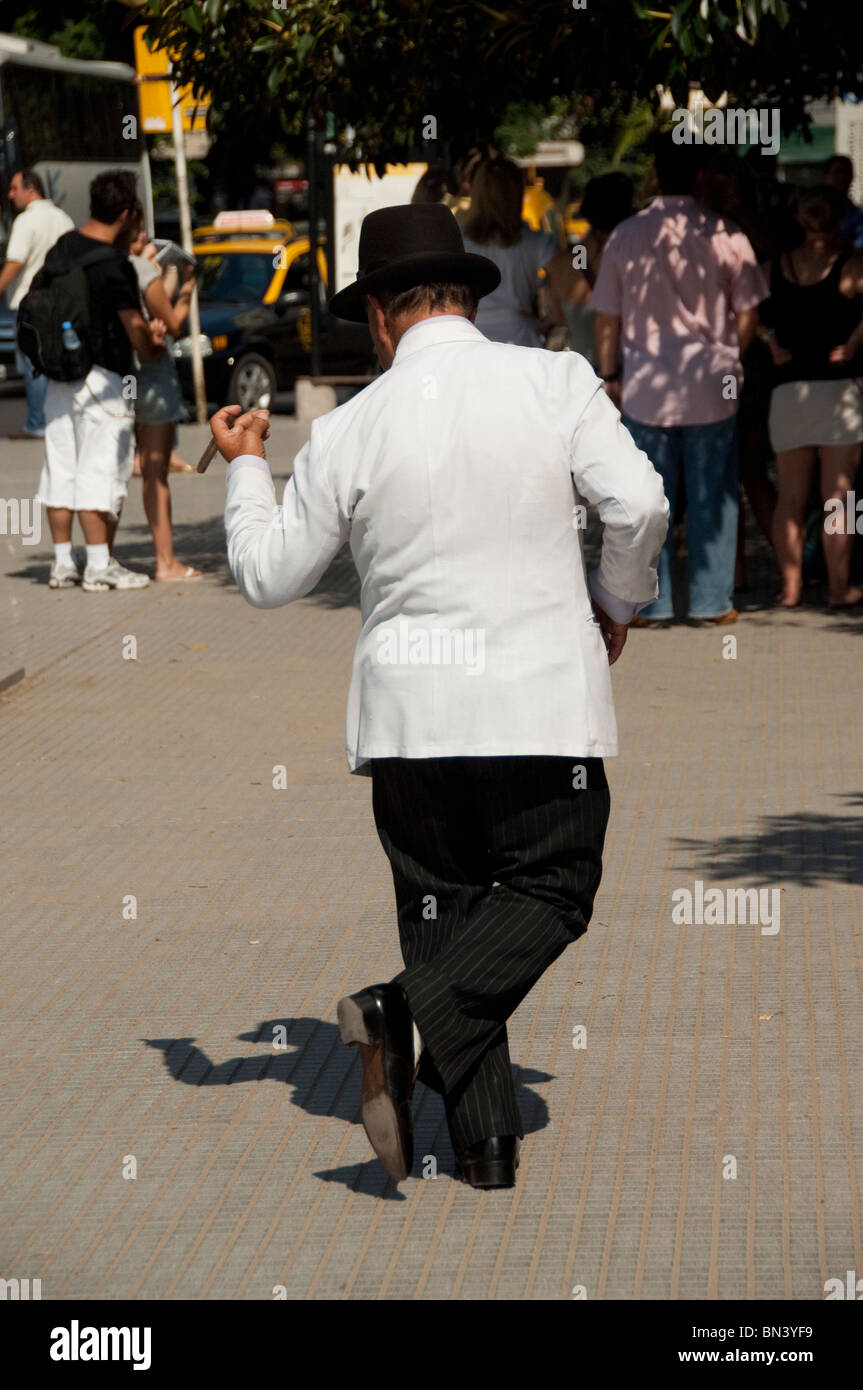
(79, 325)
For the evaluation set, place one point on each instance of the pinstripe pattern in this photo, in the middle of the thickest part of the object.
(511, 855)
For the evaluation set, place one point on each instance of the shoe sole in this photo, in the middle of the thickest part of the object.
(62, 583)
(90, 588)
(364, 1026)
(497, 1175)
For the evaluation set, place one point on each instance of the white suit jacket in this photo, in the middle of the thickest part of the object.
(459, 478)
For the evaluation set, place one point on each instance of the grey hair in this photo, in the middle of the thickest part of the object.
(462, 299)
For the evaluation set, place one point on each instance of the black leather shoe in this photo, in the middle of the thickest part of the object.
(491, 1162)
(379, 1019)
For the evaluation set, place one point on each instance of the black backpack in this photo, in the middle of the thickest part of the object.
(59, 292)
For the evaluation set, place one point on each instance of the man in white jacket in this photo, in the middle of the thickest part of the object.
(480, 702)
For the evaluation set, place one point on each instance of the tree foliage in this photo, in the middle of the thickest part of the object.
(79, 37)
(371, 71)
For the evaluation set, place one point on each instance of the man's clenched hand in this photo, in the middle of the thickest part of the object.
(236, 432)
(613, 634)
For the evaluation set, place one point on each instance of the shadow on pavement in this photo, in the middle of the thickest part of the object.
(325, 1077)
(801, 847)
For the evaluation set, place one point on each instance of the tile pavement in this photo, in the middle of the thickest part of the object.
(151, 1037)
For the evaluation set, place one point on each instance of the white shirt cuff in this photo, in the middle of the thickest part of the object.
(247, 461)
(617, 608)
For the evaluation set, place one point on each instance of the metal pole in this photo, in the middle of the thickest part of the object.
(186, 237)
(330, 220)
(314, 284)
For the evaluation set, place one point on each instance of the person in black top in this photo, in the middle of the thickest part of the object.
(89, 424)
(812, 323)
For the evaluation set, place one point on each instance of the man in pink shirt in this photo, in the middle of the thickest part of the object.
(679, 288)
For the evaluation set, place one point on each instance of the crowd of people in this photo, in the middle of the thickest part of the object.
(120, 416)
(722, 311)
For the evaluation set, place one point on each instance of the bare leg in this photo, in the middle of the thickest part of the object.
(794, 469)
(95, 527)
(60, 523)
(112, 522)
(154, 442)
(838, 470)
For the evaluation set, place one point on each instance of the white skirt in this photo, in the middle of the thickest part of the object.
(89, 444)
(816, 414)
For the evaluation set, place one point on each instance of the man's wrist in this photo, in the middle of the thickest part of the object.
(618, 609)
(247, 461)
(612, 376)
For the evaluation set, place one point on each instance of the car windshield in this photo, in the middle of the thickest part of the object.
(235, 277)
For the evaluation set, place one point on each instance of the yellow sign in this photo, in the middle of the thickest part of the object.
(154, 89)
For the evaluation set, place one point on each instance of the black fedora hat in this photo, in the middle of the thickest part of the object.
(412, 244)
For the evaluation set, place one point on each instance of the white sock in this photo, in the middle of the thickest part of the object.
(63, 553)
(418, 1043)
(98, 556)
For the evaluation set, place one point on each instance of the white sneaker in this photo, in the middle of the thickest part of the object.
(113, 576)
(64, 575)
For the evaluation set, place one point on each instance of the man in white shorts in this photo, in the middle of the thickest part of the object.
(89, 424)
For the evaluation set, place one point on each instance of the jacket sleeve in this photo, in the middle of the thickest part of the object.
(610, 472)
(278, 553)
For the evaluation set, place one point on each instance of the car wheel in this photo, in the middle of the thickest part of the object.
(253, 383)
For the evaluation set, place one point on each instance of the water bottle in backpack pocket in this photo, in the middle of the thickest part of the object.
(75, 356)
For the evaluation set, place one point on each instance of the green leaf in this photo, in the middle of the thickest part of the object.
(192, 17)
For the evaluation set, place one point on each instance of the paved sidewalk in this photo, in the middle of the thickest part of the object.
(167, 911)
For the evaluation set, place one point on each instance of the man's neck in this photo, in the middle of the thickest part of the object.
(403, 324)
(99, 231)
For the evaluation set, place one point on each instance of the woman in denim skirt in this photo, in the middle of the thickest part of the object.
(158, 407)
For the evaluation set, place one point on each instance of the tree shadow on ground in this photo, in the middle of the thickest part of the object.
(801, 847)
(325, 1078)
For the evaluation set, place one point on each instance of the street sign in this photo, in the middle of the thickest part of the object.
(154, 88)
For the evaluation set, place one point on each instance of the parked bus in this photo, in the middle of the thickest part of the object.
(68, 120)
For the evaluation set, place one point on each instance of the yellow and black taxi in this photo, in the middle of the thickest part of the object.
(255, 305)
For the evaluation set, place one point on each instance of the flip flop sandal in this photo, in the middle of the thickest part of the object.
(190, 577)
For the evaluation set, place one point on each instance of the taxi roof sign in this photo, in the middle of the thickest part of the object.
(249, 219)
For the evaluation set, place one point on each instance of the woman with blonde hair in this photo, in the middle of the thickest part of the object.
(493, 227)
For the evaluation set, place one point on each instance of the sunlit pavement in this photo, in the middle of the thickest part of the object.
(192, 879)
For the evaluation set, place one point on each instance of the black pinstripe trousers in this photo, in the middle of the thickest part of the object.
(496, 863)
